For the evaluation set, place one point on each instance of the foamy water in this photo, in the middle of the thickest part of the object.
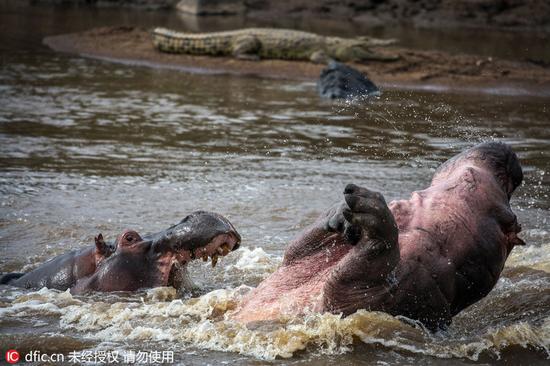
(158, 316)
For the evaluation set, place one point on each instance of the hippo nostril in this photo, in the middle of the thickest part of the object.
(350, 188)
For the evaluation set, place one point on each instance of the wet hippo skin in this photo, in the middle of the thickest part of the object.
(133, 262)
(425, 258)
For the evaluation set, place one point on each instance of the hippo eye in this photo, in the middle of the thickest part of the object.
(129, 238)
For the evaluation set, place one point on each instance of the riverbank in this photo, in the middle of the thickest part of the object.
(431, 70)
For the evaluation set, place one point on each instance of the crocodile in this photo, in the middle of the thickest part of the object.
(271, 43)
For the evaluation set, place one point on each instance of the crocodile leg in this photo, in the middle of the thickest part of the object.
(247, 48)
(319, 57)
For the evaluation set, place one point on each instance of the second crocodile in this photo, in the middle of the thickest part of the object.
(270, 43)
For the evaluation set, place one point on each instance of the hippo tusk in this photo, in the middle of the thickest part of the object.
(214, 260)
(225, 249)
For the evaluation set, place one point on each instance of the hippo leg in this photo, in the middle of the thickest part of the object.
(332, 227)
(364, 277)
(323, 233)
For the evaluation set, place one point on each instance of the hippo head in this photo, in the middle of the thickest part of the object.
(498, 161)
(494, 157)
(133, 262)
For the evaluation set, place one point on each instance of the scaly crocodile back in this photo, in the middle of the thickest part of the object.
(270, 43)
(275, 43)
(219, 43)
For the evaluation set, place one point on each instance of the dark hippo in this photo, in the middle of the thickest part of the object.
(133, 262)
(339, 81)
(426, 258)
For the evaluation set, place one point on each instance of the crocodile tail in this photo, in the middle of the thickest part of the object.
(165, 40)
(8, 277)
(163, 32)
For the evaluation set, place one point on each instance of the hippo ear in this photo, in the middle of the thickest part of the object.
(101, 247)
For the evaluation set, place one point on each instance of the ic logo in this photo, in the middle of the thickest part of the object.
(12, 356)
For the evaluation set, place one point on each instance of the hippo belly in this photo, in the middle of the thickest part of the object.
(295, 288)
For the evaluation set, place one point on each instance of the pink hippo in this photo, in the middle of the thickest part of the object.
(426, 258)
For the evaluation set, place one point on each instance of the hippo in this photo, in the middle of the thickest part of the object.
(425, 258)
(339, 81)
(133, 262)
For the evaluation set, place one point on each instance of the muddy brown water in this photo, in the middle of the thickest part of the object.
(88, 146)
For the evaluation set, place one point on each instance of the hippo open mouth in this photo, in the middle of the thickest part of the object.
(199, 235)
(174, 270)
(220, 246)
(161, 259)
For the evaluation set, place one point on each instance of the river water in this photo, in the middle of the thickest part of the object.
(88, 146)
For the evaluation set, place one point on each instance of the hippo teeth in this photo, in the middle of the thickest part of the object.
(225, 249)
(214, 260)
(214, 254)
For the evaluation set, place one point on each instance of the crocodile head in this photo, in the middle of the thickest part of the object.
(358, 49)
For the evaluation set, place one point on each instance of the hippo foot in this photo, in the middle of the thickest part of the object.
(364, 213)
(367, 224)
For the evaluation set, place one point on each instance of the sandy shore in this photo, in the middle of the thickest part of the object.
(430, 70)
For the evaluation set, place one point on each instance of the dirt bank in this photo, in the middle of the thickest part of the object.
(415, 69)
